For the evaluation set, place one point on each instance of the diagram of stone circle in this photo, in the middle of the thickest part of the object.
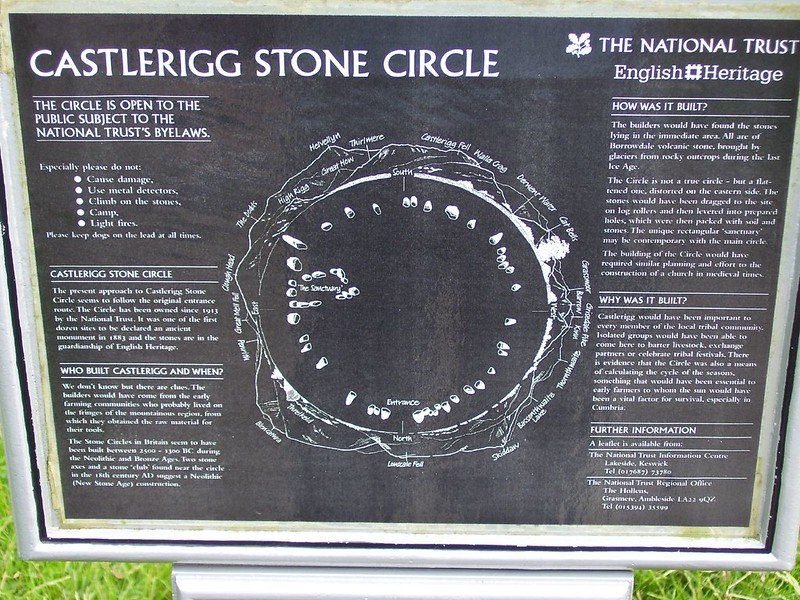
(402, 299)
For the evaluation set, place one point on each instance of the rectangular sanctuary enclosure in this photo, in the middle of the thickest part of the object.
(420, 284)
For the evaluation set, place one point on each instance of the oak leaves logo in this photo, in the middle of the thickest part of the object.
(580, 45)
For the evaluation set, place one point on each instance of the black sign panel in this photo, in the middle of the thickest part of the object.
(383, 270)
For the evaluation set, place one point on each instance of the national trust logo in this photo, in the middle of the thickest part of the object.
(579, 45)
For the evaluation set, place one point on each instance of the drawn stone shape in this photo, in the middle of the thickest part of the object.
(304, 304)
(340, 274)
(294, 242)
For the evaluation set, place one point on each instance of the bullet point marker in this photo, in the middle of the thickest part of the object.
(78, 190)
(81, 223)
(80, 212)
(79, 201)
(77, 178)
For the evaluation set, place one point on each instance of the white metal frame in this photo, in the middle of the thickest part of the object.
(40, 536)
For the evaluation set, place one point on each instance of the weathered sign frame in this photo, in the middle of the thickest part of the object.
(23, 377)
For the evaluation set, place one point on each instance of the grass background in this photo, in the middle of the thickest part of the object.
(135, 581)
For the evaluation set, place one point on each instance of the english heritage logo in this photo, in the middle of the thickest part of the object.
(580, 45)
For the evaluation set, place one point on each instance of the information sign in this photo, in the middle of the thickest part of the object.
(404, 285)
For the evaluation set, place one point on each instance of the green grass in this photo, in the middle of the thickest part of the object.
(723, 585)
(75, 580)
(135, 581)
